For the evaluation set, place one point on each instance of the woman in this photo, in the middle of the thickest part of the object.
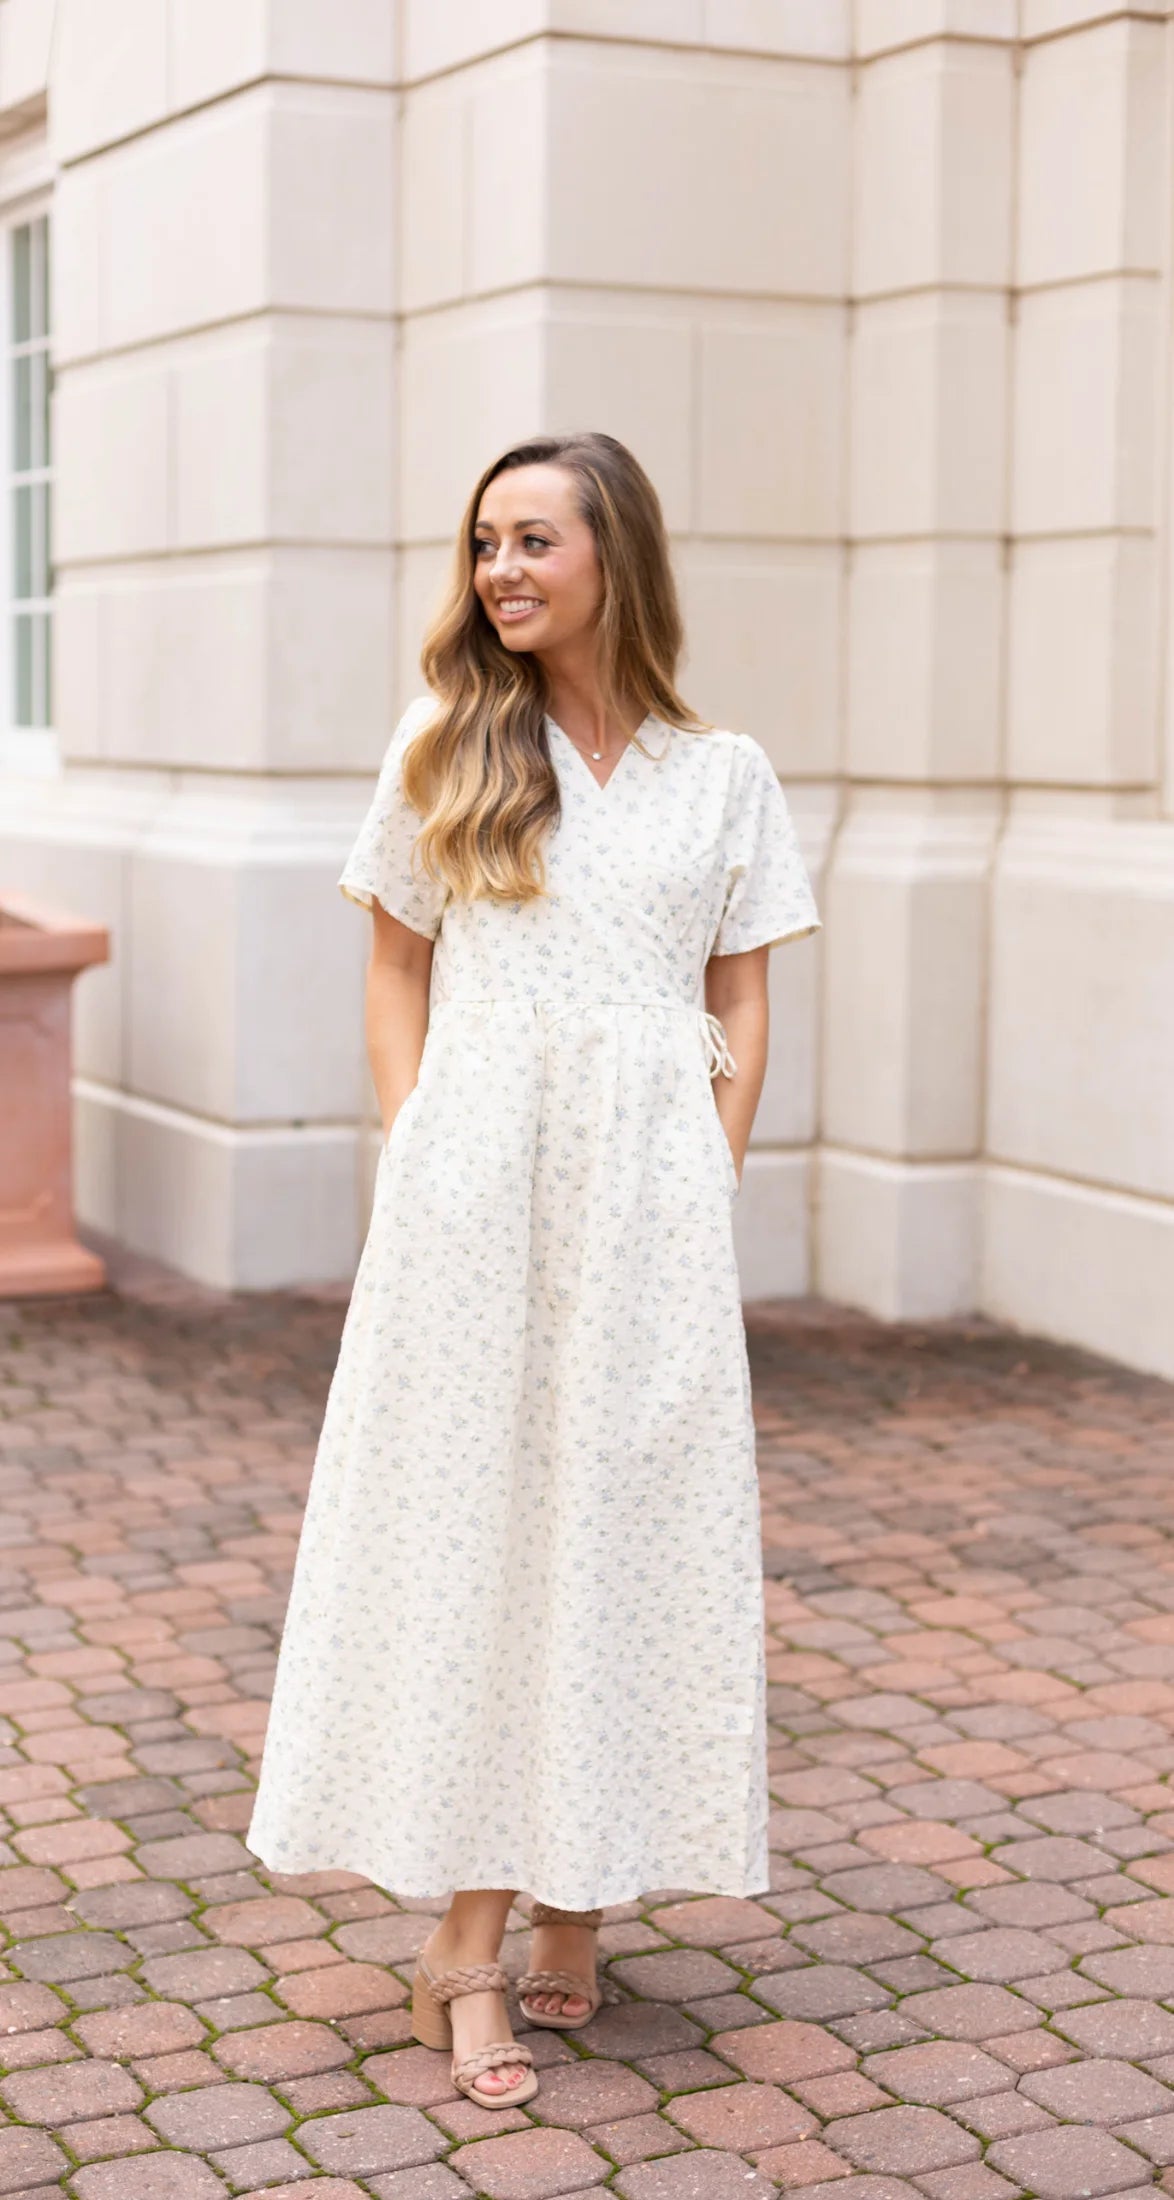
(524, 1648)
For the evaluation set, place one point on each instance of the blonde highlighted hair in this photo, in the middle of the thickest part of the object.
(480, 772)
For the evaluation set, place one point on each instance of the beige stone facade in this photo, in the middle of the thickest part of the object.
(882, 296)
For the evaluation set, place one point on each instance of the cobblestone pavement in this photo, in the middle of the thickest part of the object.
(962, 1983)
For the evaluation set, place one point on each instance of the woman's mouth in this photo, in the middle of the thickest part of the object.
(513, 608)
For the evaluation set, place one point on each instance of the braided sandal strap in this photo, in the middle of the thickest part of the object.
(466, 1978)
(489, 2058)
(544, 1913)
(556, 1982)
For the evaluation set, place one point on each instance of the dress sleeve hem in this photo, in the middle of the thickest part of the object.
(763, 937)
(364, 897)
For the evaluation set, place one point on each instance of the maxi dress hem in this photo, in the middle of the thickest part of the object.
(604, 1894)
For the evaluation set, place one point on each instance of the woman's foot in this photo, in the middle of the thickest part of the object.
(562, 1948)
(477, 2019)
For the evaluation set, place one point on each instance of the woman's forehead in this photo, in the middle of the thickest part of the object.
(528, 493)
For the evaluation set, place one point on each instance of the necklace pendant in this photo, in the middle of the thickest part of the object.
(598, 755)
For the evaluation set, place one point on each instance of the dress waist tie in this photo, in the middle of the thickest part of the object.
(717, 1052)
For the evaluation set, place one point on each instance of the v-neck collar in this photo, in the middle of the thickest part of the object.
(601, 786)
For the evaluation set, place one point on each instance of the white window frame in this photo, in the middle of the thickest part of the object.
(26, 194)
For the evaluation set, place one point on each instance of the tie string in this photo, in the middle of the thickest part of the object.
(717, 1052)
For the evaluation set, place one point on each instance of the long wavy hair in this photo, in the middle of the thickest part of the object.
(480, 772)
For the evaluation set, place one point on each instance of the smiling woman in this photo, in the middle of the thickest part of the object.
(563, 604)
(536, 576)
(524, 1648)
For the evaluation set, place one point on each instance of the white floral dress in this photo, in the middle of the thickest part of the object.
(524, 1645)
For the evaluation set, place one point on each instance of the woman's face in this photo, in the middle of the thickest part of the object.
(536, 569)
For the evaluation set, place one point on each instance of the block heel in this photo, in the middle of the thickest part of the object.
(431, 2023)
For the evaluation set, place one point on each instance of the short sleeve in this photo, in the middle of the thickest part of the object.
(380, 865)
(768, 893)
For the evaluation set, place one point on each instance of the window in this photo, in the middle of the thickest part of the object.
(30, 571)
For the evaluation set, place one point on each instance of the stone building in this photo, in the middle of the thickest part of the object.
(882, 296)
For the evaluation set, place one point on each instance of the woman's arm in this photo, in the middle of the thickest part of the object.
(398, 976)
(735, 990)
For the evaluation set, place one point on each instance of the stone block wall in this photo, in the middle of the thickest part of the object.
(882, 297)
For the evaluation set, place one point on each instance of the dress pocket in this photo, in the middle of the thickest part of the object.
(725, 1151)
(395, 1134)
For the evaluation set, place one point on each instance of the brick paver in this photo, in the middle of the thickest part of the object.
(961, 1983)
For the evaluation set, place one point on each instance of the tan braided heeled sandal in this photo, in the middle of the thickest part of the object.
(432, 2026)
(559, 1982)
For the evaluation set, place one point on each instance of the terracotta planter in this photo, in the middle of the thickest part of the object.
(41, 952)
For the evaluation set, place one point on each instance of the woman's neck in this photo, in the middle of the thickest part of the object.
(577, 703)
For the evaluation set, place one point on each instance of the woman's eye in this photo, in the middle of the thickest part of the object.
(483, 547)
